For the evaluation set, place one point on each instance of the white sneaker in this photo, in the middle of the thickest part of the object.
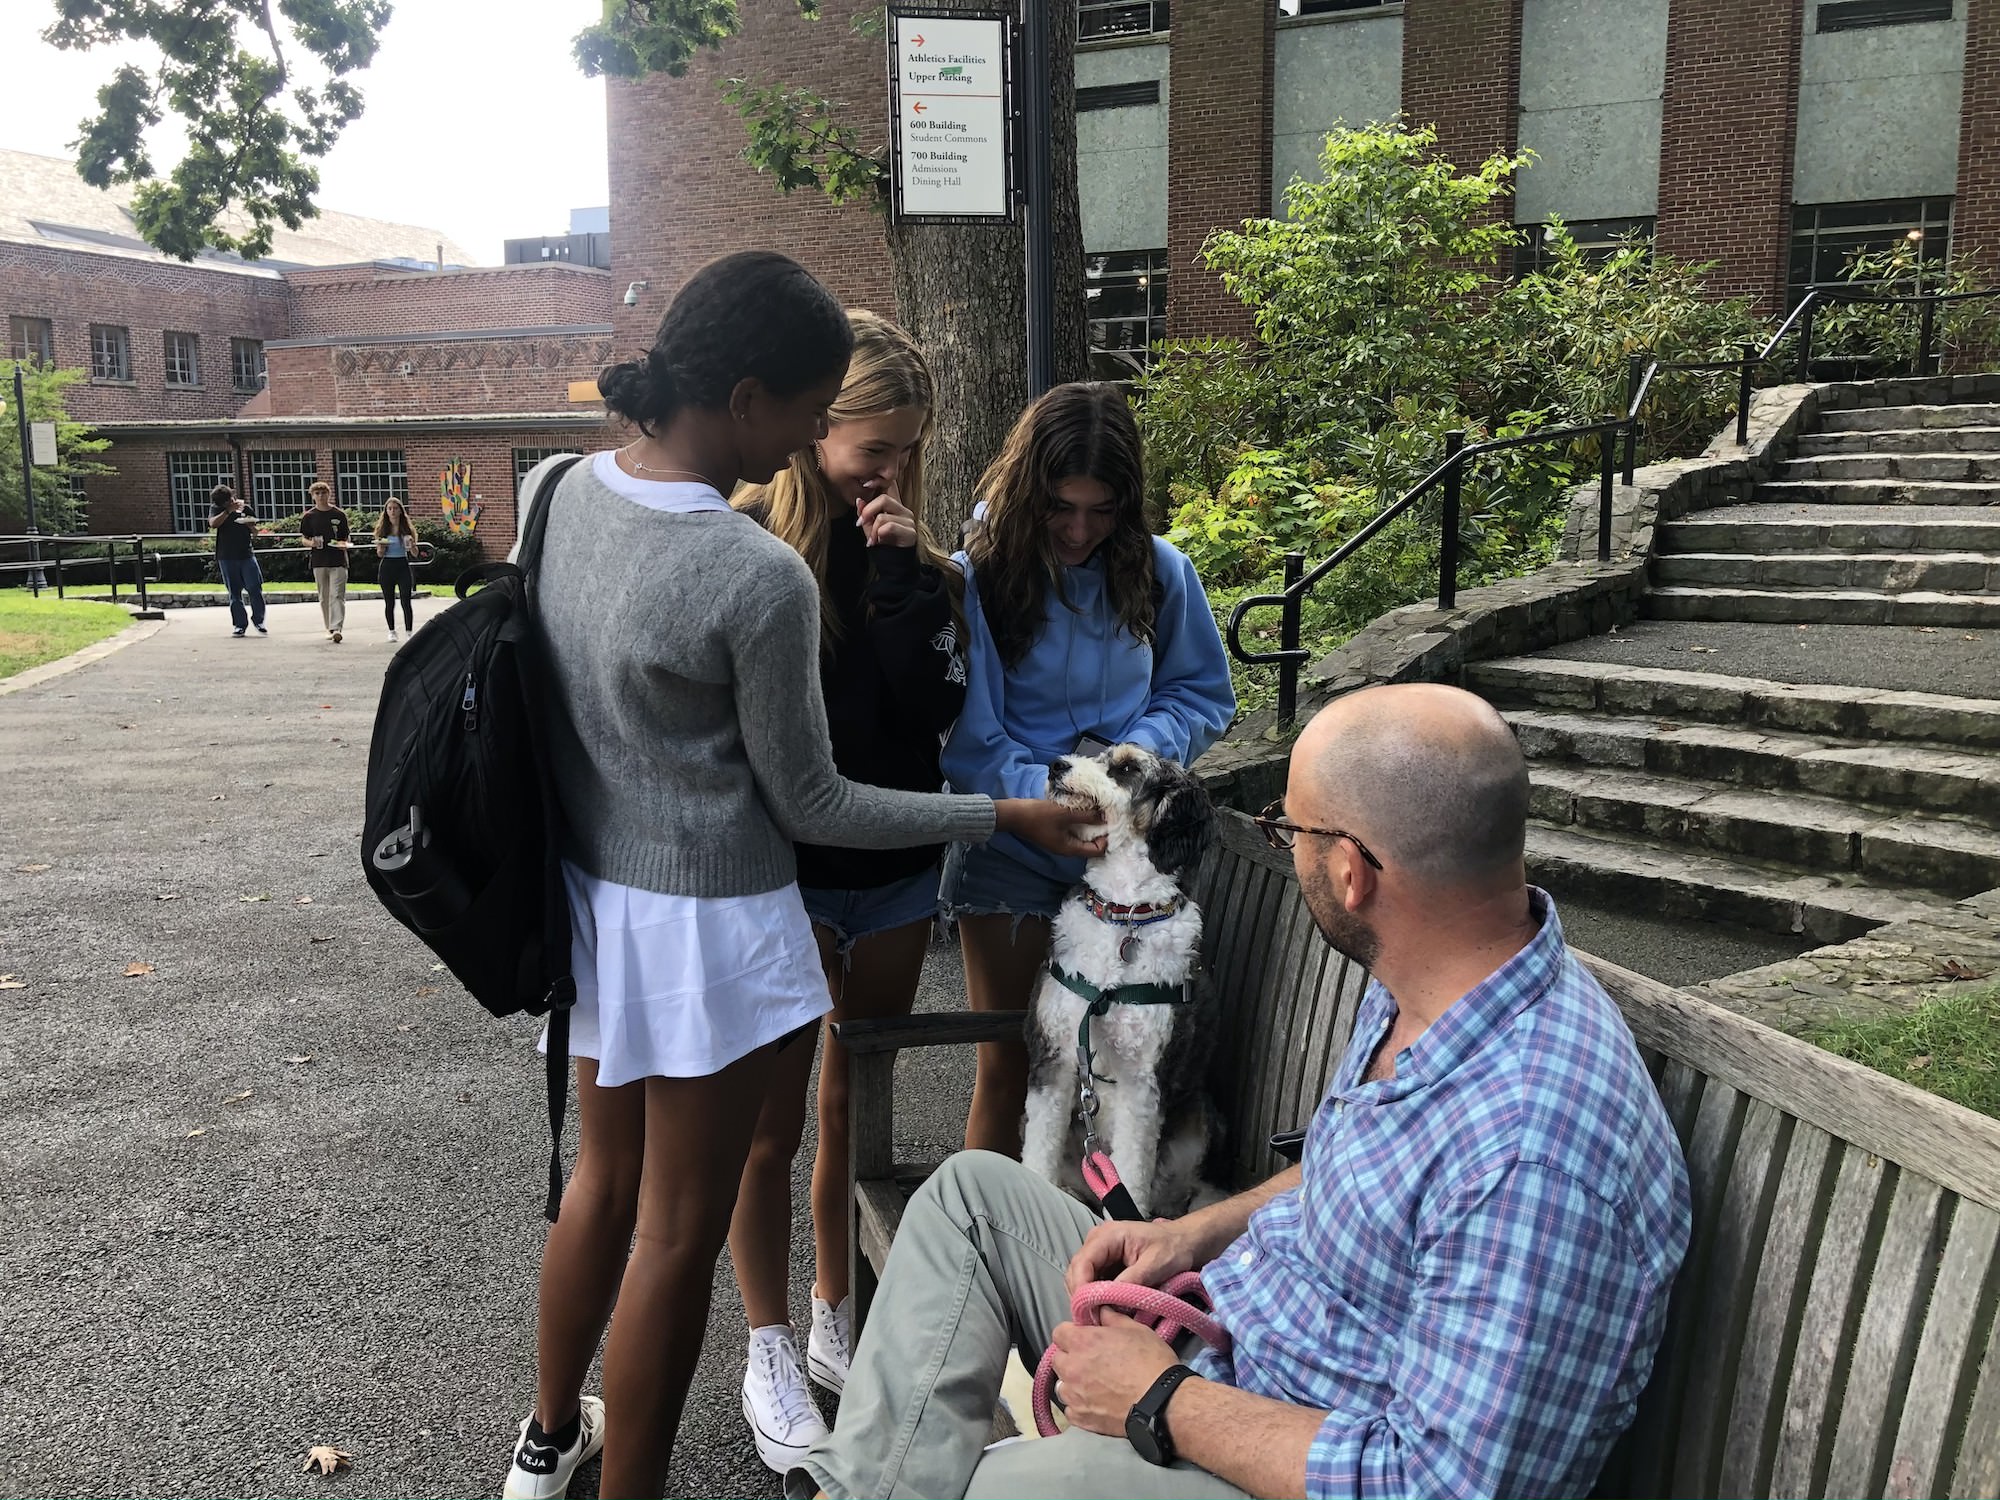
(776, 1402)
(392, 635)
(830, 1345)
(543, 1471)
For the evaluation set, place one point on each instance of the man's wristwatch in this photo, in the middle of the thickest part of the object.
(1146, 1423)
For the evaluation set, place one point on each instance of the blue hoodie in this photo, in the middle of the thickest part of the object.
(1084, 676)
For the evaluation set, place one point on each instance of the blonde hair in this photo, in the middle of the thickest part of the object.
(888, 373)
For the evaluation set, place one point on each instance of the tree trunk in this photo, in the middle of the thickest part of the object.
(959, 291)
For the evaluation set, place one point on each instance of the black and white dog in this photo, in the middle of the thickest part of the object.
(1122, 958)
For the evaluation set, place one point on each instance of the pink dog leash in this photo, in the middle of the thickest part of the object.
(1169, 1311)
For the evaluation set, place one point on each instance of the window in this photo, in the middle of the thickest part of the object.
(1125, 301)
(190, 479)
(1103, 18)
(1827, 236)
(184, 360)
(110, 352)
(246, 362)
(364, 480)
(281, 483)
(1852, 15)
(1118, 95)
(1598, 239)
(31, 339)
(1328, 7)
(525, 460)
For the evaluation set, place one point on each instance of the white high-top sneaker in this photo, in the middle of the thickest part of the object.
(830, 1345)
(776, 1402)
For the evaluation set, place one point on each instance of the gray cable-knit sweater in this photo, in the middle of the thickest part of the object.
(692, 748)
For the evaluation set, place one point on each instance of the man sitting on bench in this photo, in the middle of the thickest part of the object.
(1461, 1289)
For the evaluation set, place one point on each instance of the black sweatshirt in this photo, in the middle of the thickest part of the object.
(894, 684)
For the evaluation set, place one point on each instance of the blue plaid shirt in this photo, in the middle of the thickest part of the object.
(1472, 1279)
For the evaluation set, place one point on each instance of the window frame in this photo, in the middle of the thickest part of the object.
(1158, 17)
(262, 377)
(190, 347)
(1142, 270)
(364, 478)
(18, 326)
(1598, 239)
(523, 469)
(190, 484)
(1869, 15)
(1877, 226)
(123, 349)
(277, 480)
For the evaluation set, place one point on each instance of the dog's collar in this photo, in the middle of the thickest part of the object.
(1142, 914)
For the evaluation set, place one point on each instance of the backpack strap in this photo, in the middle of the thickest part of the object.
(555, 900)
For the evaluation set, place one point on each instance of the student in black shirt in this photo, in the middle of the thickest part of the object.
(894, 681)
(233, 526)
(324, 528)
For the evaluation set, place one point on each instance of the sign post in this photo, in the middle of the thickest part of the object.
(950, 126)
(28, 459)
(1038, 163)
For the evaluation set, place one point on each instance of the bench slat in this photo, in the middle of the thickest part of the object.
(1770, 1338)
(1961, 1319)
(879, 1209)
(1309, 959)
(1725, 1306)
(1283, 914)
(1853, 1230)
(1710, 1143)
(1885, 1345)
(1978, 1476)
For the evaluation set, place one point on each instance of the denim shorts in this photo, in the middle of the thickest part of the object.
(981, 881)
(853, 915)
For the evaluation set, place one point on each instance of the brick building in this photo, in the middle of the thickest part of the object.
(1775, 137)
(358, 352)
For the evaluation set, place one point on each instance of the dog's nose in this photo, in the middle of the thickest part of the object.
(1058, 767)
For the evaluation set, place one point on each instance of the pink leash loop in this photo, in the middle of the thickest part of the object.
(1169, 1311)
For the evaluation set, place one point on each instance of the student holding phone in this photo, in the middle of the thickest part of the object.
(1082, 629)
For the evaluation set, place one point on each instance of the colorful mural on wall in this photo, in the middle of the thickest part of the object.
(455, 498)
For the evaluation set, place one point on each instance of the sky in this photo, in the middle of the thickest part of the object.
(478, 121)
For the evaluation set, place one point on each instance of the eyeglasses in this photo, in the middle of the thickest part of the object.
(1282, 834)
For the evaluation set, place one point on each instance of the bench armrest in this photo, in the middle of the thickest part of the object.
(950, 1029)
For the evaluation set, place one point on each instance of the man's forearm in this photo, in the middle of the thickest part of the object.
(1259, 1445)
(1222, 1222)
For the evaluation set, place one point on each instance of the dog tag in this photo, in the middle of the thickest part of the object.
(1126, 946)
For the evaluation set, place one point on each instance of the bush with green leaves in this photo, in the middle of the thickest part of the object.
(1383, 322)
(1886, 337)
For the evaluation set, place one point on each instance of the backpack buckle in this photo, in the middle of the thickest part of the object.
(400, 846)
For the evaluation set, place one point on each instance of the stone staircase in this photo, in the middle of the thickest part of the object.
(1853, 793)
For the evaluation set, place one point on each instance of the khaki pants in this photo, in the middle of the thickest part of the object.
(332, 597)
(977, 1269)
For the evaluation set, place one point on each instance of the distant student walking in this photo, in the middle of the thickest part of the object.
(233, 526)
(324, 528)
(395, 547)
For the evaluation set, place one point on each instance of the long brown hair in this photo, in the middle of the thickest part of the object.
(888, 373)
(1080, 431)
(382, 526)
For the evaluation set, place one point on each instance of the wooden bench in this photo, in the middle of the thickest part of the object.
(1836, 1326)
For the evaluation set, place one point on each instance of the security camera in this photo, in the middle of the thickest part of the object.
(632, 293)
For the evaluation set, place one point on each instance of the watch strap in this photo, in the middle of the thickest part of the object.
(1149, 1414)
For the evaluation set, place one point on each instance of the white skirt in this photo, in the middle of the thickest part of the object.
(683, 986)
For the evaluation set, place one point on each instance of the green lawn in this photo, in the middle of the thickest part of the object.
(33, 631)
(1949, 1045)
(125, 590)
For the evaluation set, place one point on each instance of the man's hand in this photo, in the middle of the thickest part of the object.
(1149, 1254)
(1101, 1372)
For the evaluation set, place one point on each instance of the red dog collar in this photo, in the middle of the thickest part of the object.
(1143, 914)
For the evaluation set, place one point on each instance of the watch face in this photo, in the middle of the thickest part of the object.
(1144, 1433)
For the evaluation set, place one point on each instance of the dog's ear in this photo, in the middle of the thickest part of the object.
(1183, 827)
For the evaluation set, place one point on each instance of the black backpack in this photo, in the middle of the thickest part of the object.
(461, 839)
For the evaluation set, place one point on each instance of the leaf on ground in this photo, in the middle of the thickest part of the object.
(135, 968)
(239, 1098)
(406, 1027)
(1918, 1063)
(29, 869)
(1705, 650)
(266, 896)
(1951, 968)
(317, 854)
(313, 937)
(302, 1057)
(167, 896)
(437, 968)
(198, 1130)
(1968, 637)
(9, 982)
(426, 989)
(327, 1459)
(303, 901)
(218, 797)
(1927, 630)
(326, 705)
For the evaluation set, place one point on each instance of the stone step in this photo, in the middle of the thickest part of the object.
(1835, 711)
(1888, 572)
(1767, 529)
(1786, 830)
(1876, 492)
(1900, 440)
(1949, 468)
(1624, 872)
(1904, 418)
(1965, 783)
(1821, 606)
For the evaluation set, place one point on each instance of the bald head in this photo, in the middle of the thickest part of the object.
(1430, 777)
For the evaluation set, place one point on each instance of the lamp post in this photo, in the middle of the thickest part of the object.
(27, 482)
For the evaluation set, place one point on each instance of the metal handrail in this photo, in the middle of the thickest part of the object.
(1640, 374)
(421, 556)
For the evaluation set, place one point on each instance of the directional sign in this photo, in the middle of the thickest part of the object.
(42, 444)
(948, 78)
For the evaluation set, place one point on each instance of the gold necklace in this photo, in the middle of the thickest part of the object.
(632, 458)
